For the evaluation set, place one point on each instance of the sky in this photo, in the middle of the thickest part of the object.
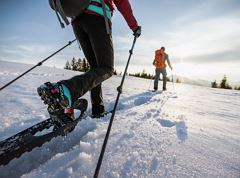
(202, 38)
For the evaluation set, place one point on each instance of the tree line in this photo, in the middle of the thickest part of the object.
(83, 66)
(223, 84)
(146, 75)
(77, 65)
(80, 65)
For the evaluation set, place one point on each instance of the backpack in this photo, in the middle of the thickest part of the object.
(160, 59)
(68, 8)
(73, 8)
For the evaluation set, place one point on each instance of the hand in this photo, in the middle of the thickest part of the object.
(137, 31)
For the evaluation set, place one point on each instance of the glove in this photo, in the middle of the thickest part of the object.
(137, 31)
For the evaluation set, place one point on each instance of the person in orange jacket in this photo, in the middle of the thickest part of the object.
(96, 42)
(160, 63)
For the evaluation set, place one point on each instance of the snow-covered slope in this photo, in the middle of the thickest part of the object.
(188, 131)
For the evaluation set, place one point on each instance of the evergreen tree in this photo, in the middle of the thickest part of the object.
(67, 66)
(214, 84)
(237, 88)
(143, 74)
(74, 64)
(150, 76)
(224, 83)
(88, 66)
(79, 65)
(138, 74)
(178, 80)
(115, 72)
(85, 66)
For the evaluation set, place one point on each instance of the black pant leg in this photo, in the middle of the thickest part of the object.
(97, 100)
(98, 49)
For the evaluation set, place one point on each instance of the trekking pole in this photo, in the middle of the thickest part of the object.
(173, 83)
(119, 89)
(150, 83)
(38, 64)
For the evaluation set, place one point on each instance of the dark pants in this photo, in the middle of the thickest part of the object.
(157, 76)
(98, 50)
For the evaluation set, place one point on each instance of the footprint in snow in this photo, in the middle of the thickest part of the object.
(181, 131)
(166, 123)
(154, 165)
(181, 128)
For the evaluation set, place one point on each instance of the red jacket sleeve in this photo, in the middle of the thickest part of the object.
(125, 9)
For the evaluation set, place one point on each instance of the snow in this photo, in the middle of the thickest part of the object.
(188, 131)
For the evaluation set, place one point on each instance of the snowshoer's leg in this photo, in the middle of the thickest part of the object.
(98, 50)
(98, 109)
(164, 73)
(156, 79)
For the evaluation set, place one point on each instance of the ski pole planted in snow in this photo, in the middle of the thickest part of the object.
(173, 83)
(38, 64)
(119, 89)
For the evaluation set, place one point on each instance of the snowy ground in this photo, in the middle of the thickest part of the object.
(188, 131)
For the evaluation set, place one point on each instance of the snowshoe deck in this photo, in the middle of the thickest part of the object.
(25, 141)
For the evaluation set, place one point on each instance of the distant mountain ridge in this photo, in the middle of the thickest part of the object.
(198, 82)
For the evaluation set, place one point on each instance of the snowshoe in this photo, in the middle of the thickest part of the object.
(35, 136)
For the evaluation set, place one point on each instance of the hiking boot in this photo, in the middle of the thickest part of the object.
(55, 93)
(99, 115)
(98, 110)
(58, 98)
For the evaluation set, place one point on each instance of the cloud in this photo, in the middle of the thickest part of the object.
(208, 40)
(231, 56)
(32, 53)
(24, 48)
(199, 42)
(33, 48)
(208, 36)
(198, 47)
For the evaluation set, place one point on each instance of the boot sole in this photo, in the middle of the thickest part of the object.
(47, 97)
(54, 108)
